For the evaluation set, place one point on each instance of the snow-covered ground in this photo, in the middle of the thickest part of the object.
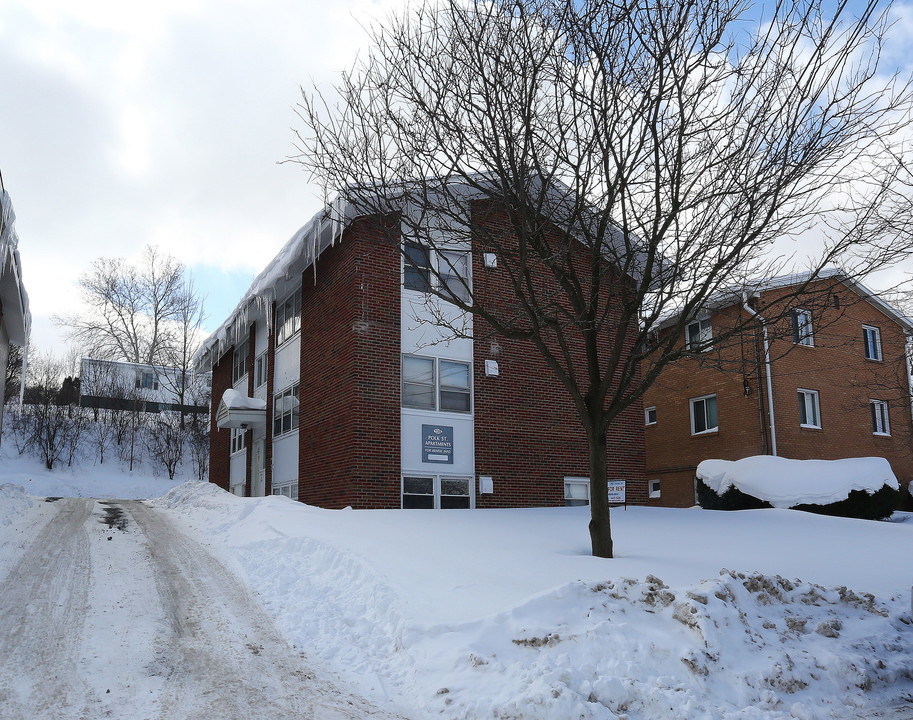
(503, 614)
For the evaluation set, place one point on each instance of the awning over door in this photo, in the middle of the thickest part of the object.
(236, 411)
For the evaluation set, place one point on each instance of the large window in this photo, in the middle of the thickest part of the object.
(699, 335)
(881, 424)
(433, 384)
(239, 364)
(453, 267)
(146, 380)
(288, 317)
(809, 410)
(416, 267)
(703, 415)
(285, 410)
(871, 336)
(802, 328)
(430, 492)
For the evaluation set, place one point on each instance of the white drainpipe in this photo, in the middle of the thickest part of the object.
(770, 392)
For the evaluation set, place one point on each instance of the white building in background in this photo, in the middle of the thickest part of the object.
(15, 318)
(112, 385)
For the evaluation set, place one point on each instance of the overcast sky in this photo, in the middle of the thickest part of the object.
(126, 123)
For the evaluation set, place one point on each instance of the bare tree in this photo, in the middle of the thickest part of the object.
(44, 421)
(130, 310)
(621, 162)
(165, 440)
(13, 372)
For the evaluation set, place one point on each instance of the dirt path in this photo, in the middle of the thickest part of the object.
(114, 613)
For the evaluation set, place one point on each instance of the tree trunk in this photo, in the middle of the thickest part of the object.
(600, 524)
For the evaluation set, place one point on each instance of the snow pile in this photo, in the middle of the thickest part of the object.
(13, 502)
(234, 400)
(503, 613)
(785, 483)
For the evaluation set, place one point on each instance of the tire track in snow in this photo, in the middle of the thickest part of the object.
(222, 655)
(42, 611)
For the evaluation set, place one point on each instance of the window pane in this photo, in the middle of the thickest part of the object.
(418, 370)
(454, 375)
(697, 410)
(416, 267)
(454, 487)
(418, 396)
(803, 415)
(418, 502)
(454, 271)
(418, 485)
(449, 502)
(455, 401)
(711, 412)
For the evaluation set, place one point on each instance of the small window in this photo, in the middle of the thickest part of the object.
(650, 415)
(704, 415)
(239, 364)
(454, 391)
(871, 336)
(289, 490)
(285, 410)
(455, 493)
(654, 489)
(576, 491)
(699, 335)
(260, 370)
(809, 410)
(881, 424)
(453, 268)
(416, 267)
(418, 382)
(238, 439)
(802, 328)
(146, 380)
(418, 493)
(288, 318)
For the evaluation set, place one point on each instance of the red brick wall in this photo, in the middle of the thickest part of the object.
(219, 440)
(528, 435)
(349, 444)
(836, 367)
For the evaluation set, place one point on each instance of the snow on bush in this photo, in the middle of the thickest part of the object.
(786, 483)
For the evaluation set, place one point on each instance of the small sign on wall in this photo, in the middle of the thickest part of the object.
(617, 492)
(437, 444)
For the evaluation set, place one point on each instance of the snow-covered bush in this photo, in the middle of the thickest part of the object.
(854, 487)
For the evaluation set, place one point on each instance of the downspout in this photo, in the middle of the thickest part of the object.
(770, 393)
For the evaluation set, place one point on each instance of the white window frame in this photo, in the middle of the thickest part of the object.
(288, 317)
(881, 419)
(810, 404)
(438, 387)
(239, 359)
(437, 494)
(288, 489)
(803, 331)
(294, 417)
(421, 271)
(147, 380)
(871, 338)
(703, 399)
(578, 482)
(238, 440)
(448, 262)
(647, 411)
(260, 370)
(704, 335)
(654, 488)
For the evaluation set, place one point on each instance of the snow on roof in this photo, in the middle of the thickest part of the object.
(785, 483)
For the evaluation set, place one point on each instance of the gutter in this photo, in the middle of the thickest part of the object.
(770, 394)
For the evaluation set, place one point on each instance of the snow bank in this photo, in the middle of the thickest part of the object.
(14, 501)
(502, 613)
(785, 483)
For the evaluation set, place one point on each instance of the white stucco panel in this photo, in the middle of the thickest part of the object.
(288, 364)
(423, 449)
(285, 458)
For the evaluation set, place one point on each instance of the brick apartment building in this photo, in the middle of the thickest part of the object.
(349, 392)
(836, 385)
